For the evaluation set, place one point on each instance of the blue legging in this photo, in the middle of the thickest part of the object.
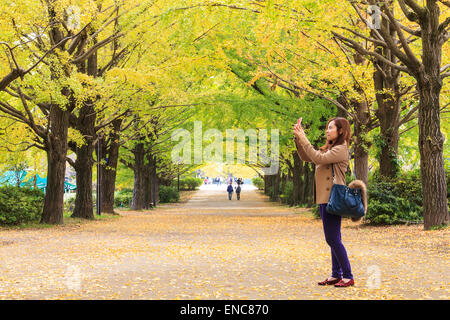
(332, 229)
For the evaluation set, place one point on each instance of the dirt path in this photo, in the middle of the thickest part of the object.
(213, 248)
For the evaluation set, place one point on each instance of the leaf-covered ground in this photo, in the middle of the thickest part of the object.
(213, 248)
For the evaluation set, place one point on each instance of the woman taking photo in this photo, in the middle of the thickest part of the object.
(334, 153)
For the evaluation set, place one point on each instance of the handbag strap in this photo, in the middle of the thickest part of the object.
(332, 171)
(351, 168)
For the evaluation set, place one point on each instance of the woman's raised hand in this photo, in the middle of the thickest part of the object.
(299, 123)
(298, 130)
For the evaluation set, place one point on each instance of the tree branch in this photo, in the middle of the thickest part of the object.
(95, 47)
(420, 11)
(361, 50)
(53, 48)
(405, 46)
(444, 25)
(10, 77)
(39, 131)
(71, 162)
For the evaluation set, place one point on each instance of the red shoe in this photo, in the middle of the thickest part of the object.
(329, 282)
(342, 284)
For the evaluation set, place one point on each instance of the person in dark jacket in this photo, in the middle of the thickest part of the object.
(230, 191)
(238, 192)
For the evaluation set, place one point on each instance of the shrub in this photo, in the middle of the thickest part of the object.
(193, 183)
(287, 195)
(168, 194)
(393, 201)
(123, 197)
(258, 182)
(20, 205)
(70, 203)
(188, 183)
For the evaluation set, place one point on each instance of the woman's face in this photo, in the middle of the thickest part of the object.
(332, 131)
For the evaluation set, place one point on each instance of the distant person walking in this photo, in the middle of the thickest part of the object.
(238, 192)
(230, 191)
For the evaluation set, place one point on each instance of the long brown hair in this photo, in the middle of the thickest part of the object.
(344, 133)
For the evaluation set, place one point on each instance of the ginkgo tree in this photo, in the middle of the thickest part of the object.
(429, 24)
(54, 88)
(304, 46)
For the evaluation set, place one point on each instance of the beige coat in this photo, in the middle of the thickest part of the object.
(338, 156)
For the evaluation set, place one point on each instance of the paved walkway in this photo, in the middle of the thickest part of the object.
(214, 248)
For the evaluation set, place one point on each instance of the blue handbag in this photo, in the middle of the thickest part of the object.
(345, 201)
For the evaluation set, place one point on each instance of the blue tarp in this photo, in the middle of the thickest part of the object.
(27, 180)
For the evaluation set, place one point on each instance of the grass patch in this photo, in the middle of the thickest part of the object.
(68, 221)
(439, 227)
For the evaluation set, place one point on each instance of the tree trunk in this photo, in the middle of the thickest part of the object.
(84, 207)
(276, 186)
(431, 142)
(303, 183)
(387, 78)
(361, 161)
(85, 124)
(389, 166)
(284, 178)
(389, 115)
(154, 182)
(138, 190)
(148, 196)
(267, 184)
(56, 159)
(431, 139)
(83, 167)
(297, 179)
(308, 178)
(110, 152)
(361, 147)
(148, 188)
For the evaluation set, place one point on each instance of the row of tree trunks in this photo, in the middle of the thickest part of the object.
(152, 185)
(302, 176)
(146, 182)
(303, 182)
(138, 189)
(109, 149)
(275, 195)
(154, 182)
